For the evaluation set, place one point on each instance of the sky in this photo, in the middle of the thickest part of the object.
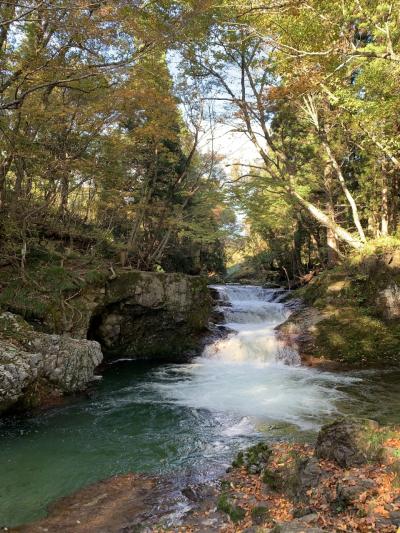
(235, 147)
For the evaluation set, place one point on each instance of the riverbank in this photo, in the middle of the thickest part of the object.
(348, 481)
(350, 315)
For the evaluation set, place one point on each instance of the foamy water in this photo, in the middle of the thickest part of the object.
(247, 373)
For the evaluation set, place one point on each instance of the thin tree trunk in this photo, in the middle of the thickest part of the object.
(385, 207)
(157, 255)
(4, 168)
(19, 179)
(64, 194)
(347, 193)
(333, 253)
(394, 204)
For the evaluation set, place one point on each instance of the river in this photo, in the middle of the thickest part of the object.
(185, 420)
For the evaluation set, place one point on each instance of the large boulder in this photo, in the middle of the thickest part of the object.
(34, 364)
(152, 315)
(348, 442)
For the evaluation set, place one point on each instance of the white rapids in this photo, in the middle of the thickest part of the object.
(249, 373)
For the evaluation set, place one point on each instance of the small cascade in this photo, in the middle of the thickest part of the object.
(249, 373)
(251, 314)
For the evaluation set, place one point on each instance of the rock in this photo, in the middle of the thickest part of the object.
(299, 513)
(349, 490)
(298, 332)
(127, 503)
(198, 493)
(388, 302)
(259, 515)
(139, 314)
(33, 363)
(308, 475)
(394, 517)
(348, 442)
(297, 526)
(150, 314)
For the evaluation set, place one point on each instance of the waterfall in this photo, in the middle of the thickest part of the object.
(251, 314)
(248, 372)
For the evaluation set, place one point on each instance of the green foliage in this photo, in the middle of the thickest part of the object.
(355, 328)
(96, 154)
(351, 336)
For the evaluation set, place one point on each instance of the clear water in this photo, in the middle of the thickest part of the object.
(187, 420)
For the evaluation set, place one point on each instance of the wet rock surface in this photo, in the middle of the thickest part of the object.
(121, 504)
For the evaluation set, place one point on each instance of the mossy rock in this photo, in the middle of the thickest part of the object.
(272, 479)
(351, 335)
(351, 442)
(227, 506)
(254, 459)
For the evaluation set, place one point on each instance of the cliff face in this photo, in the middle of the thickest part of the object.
(147, 314)
(137, 314)
(351, 313)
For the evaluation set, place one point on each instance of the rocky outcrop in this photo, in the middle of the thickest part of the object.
(388, 301)
(300, 329)
(34, 365)
(136, 314)
(146, 314)
(350, 314)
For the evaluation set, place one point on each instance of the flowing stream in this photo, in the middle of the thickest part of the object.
(184, 420)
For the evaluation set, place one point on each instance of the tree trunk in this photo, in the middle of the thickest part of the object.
(347, 193)
(325, 220)
(394, 204)
(19, 180)
(64, 194)
(298, 239)
(4, 168)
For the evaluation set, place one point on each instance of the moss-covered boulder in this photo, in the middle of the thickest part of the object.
(254, 459)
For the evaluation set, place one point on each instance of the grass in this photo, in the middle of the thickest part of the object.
(352, 335)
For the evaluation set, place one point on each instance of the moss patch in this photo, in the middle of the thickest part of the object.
(352, 335)
(356, 328)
